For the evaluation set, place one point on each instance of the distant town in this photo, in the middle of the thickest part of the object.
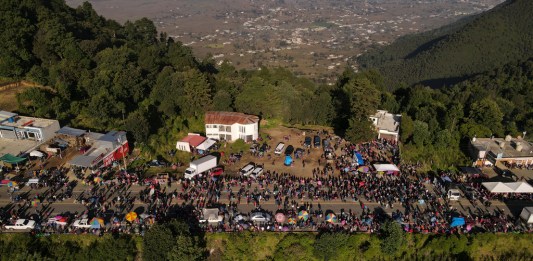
(316, 39)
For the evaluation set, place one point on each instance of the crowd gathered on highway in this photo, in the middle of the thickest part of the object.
(365, 197)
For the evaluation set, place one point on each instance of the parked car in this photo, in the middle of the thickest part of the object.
(217, 172)
(238, 218)
(279, 148)
(156, 163)
(307, 141)
(247, 170)
(289, 150)
(260, 217)
(61, 222)
(454, 194)
(82, 223)
(316, 141)
(257, 172)
(469, 192)
(21, 224)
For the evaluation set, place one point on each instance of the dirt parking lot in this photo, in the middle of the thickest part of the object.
(272, 162)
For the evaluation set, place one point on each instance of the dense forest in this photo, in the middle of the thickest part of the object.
(103, 75)
(455, 52)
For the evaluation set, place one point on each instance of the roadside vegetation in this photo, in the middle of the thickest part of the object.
(173, 242)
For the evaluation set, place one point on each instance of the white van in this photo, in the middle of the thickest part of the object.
(454, 194)
(247, 170)
(279, 148)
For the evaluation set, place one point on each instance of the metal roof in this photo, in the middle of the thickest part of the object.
(71, 131)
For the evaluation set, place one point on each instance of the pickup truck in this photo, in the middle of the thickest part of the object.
(22, 224)
(82, 223)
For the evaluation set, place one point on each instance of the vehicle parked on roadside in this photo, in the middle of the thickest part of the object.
(21, 224)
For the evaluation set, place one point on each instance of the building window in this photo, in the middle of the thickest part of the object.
(242, 129)
(228, 128)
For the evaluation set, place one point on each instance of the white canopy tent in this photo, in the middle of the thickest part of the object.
(386, 167)
(509, 187)
(211, 215)
(520, 187)
(206, 144)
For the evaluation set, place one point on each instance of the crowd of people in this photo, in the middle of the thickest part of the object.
(412, 199)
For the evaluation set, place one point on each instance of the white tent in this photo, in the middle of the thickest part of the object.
(386, 167)
(527, 215)
(206, 144)
(211, 215)
(497, 187)
(37, 154)
(520, 187)
(509, 187)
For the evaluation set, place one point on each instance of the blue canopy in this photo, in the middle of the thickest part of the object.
(288, 160)
(457, 222)
(359, 158)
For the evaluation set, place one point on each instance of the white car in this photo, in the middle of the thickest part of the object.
(247, 170)
(257, 172)
(82, 223)
(260, 217)
(279, 148)
(454, 194)
(22, 224)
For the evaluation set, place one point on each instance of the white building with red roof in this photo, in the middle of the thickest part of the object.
(190, 142)
(230, 126)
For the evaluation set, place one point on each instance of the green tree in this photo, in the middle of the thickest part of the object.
(138, 124)
(421, 134)
(392, 237)
(328, 245)
(360, 130)
(157, 242)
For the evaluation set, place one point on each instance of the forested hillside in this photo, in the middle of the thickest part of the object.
(106, 75)
(453, 53)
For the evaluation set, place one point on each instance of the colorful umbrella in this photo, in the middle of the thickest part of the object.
(363, 169)
(303, 215)
(292, 221)
(280, 217)
(331, 218)
(97, 179)
(35, 203)
(12, 184)
(131, 216)
(97, 223)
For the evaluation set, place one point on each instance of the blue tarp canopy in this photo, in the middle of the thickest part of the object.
(288, 160)
(359, 158)
(457, 222)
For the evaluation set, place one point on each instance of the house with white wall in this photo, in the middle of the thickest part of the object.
(231, 126)
(387, 124)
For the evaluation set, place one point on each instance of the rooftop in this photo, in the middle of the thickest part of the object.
(194, 140)
(387, 121)
(506, 147)
(24, 121)
(229, 118)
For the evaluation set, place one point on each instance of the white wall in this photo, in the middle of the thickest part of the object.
(249, 129)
